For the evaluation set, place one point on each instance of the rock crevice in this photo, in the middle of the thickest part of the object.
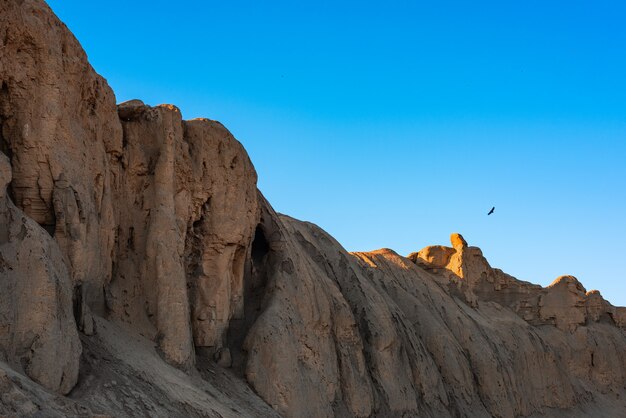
(142, 237)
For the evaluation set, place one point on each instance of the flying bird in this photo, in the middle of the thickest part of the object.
(491, 211)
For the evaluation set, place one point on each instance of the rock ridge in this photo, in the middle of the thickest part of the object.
(565, 303)
(143, 273)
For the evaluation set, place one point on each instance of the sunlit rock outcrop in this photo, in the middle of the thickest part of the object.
(140, 240)
(565, 303)
(436, 338)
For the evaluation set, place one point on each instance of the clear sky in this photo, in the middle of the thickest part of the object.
(393, 124)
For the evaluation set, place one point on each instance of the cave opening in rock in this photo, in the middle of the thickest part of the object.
(77, 302)
(4, 104)
(51, 226)
(260, 247)
(255, 277)
(5, 146)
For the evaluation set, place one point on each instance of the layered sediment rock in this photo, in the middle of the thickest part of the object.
(565, 303)
(59, 127)
(38, 335)
(145, 235)
(142, 205)
(387, 336)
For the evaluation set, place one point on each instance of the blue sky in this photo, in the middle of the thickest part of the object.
(393, 124)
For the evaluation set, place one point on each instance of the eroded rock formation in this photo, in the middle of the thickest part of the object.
(38, 335)
(140, 240)
(187, 196)
(565, 303)
(142, 205)
(386, 335)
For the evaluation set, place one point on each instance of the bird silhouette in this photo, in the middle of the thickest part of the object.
(491, 211)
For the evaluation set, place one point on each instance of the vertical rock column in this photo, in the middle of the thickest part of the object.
(187, 210)
(165, 247)
(149, 288)
(225, 215)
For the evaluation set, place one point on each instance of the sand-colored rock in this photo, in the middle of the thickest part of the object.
(425, 349)
(58, 119)
(37, 330)
(149, 286)
(222, 223)
(620, 317)
(435, 256)
(187, 196)
(151, 231)
(124, 192)
(458, 242)
(598, 309)
(565, 303)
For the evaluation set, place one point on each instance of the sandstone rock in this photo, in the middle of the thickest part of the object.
(436, 256)
(414, 336)
(458, 242)
(187, 196)
(13, 400)
(597, 308)
(157, 236)
(301, 310)
(120, 202)
(37, 329)
(58, 122)
(468, 274)
(220, 231)
(131, 109)
(223, 357)
(564, 303)
(156, 271)
(620, 317)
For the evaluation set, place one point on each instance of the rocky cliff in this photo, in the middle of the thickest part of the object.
(143, 273)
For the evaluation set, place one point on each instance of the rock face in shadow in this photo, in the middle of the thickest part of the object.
(59, 127)
(38, 334)
(141, 240)
(187, 192)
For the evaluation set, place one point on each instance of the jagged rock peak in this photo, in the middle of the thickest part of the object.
(568, 281)
(458, 242)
